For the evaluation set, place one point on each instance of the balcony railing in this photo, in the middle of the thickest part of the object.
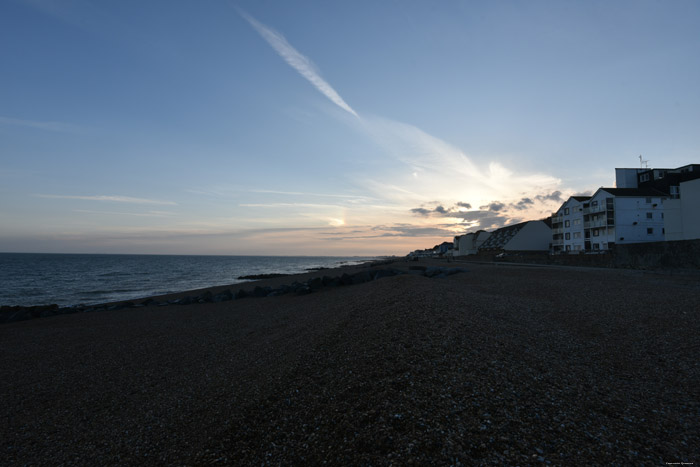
(558, 218)
(594, 209)
(558, 230)
(558, 242)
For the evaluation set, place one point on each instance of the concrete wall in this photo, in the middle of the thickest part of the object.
(683, 254)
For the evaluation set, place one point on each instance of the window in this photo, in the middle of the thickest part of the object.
(567, 223)
(596, 246)
(595, 233)
(650, 230)
(577, 234)
(577, 247)
(675, 192)
(650, 215)
(566, 211)
(567, 236)
(648, 201)
(577, 221)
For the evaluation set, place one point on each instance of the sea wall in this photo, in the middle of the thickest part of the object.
(682, 254)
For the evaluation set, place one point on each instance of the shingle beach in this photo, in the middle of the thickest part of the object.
(500, 365)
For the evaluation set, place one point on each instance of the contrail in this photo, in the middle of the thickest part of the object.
(297, 61)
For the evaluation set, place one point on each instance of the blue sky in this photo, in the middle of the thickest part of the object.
(330, 128)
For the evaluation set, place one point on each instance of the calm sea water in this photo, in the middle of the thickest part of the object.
(39, 279)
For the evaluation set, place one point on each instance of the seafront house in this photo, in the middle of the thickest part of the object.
(567, 226)
(526, 236)
(468, 244)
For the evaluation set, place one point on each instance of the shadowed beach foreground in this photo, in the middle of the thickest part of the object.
(500, 364)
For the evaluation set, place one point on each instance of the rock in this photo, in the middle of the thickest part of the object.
(224, 296)
(315, 283)
(382, 273)
(361, 277)
(345, 279)
(261, 291)
(433, 271)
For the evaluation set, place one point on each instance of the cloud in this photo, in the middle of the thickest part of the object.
(523, 204)
(421, 211)
(494, 206)
(554, 196)
(299, 62)
(41, 125)
(464, 205)
(115, 199)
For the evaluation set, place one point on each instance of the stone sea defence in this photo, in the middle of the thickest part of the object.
(9, 314)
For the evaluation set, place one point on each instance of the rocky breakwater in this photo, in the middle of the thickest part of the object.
(9, 314)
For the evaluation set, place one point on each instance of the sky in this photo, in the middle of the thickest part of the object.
(327, 128)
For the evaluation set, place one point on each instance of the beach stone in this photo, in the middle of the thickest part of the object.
(240, 294)
(345, 279)
(304, 290)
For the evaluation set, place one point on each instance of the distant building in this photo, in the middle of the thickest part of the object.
(526, 236)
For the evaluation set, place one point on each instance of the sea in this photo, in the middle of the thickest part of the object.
(29, 279)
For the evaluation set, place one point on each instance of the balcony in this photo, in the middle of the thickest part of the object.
(558, 218)
(558, 230)
(594, 209)
(558, 242)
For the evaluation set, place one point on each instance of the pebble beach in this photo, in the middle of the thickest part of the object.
(494, 365)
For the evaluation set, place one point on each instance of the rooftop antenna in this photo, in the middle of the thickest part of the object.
(642, 163)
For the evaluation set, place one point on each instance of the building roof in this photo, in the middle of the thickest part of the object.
(500, 238)
(581, 198)
(633, 192)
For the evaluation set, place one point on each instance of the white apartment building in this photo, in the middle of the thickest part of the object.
(610, 216)
(567, 226)
(623, 215)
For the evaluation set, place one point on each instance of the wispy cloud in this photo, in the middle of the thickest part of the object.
(117, 213)
(115, 199)
(299, 62)
(41, 125)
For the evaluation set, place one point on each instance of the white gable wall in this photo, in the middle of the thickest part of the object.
(534, 236)
(682, 216)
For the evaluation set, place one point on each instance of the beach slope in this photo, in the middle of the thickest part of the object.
(505, 364)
